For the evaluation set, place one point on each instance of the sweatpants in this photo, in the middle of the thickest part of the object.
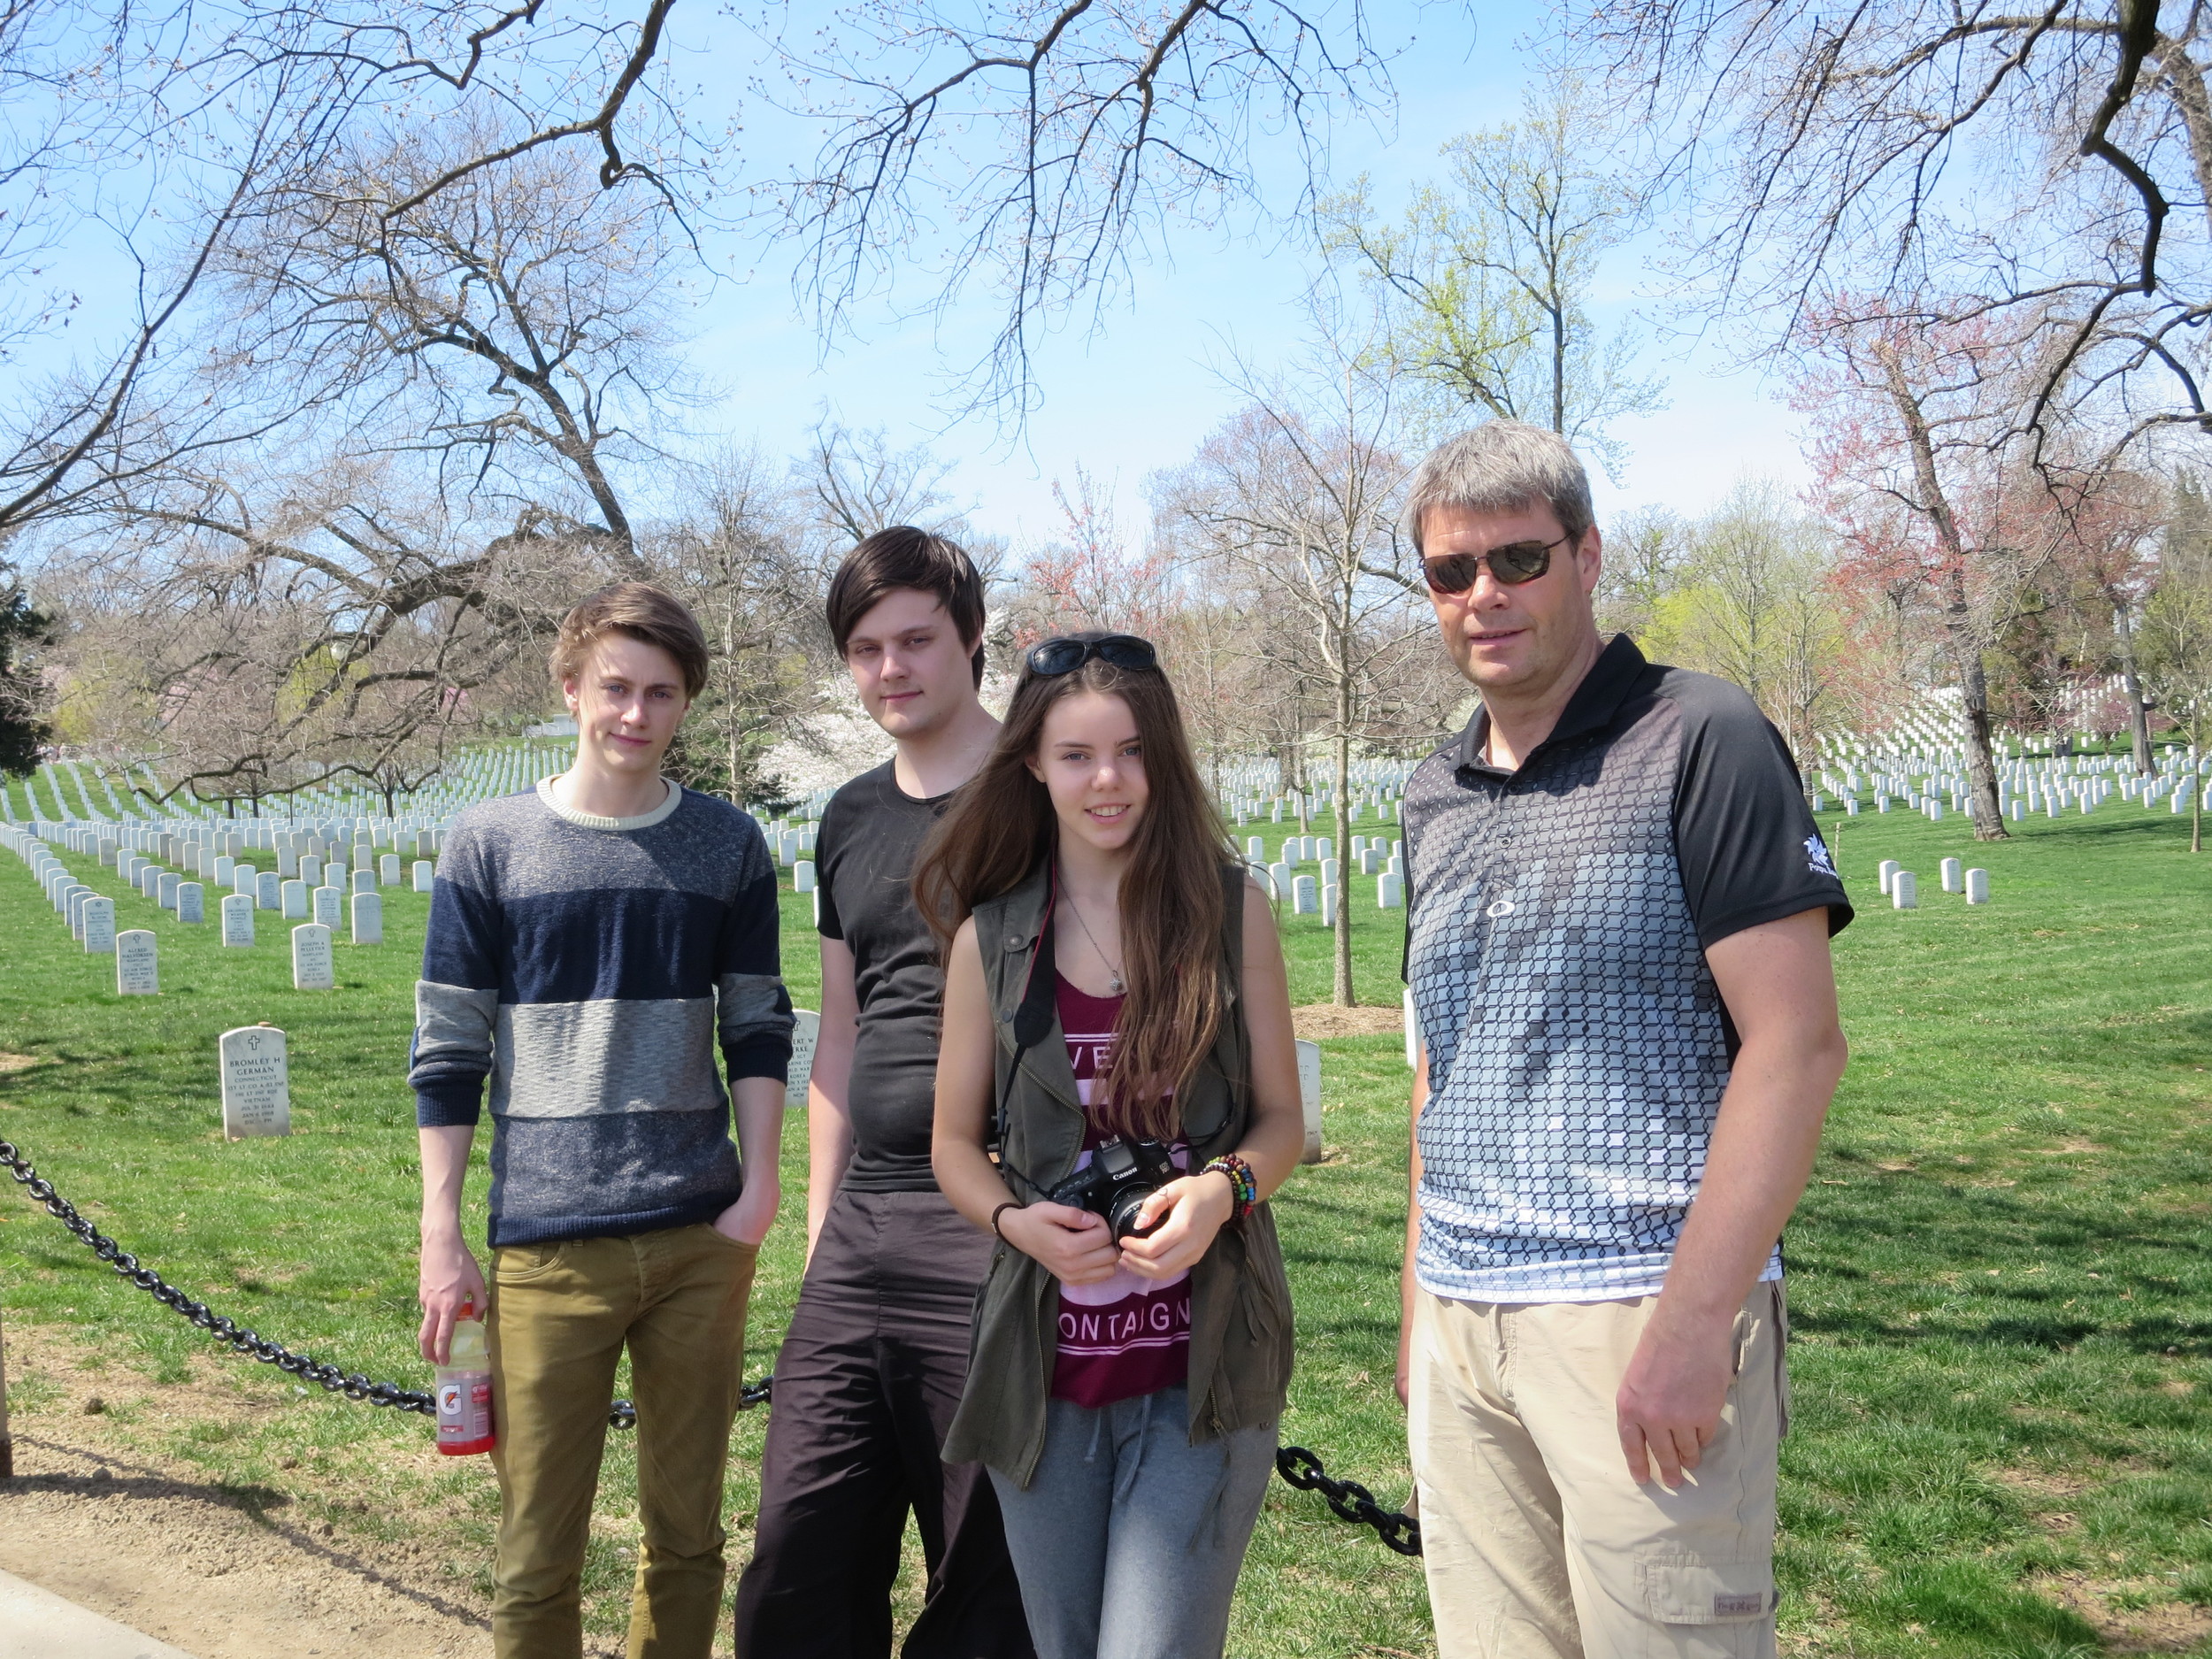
(869, 1374)
(1128, 1538)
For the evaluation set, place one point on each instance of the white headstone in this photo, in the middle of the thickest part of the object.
(1888, 868)
(364, 881)
(388, 870)
(1904, 891)
(268, 891)
(165, 892)
(802, 876)
(257, 1082)
(803, 1037)
(312, 966)
(1279, 876)
(311, 871)
(1390, 891)
(1310, 1098)
(294, 894)
(1328, 903)
(99, 927)
(1254, 849)
(191, 903)
(237, 919)
(426, 875)
(368, 918)
(1951, 882)
(1977, 886)
(1305, 896)
(137, 964)
(330, 906)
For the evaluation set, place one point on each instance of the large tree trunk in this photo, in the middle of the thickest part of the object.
(2139, 711)
(1981, 765)
(1344, 997)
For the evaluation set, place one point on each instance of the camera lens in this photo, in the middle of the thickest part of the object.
(1122, 1210)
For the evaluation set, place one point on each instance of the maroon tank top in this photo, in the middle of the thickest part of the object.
(1126, 1336)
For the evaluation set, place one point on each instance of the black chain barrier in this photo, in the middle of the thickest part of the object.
(229, 1332)
(1351, 1501)
(1295, 1463)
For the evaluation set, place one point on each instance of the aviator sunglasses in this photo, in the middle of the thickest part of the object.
(1055, 657)
(1510, 565)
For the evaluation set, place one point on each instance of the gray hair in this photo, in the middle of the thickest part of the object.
(1501, 466)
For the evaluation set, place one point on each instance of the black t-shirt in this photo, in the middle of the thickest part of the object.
(864, 858)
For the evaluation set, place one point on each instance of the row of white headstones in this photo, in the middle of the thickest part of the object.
(91, 916)
(252, 1059)
(1308, 895)
(1902, 887)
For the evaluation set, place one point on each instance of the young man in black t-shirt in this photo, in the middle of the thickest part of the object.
(876, 1354)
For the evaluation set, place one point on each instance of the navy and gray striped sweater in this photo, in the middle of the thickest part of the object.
(587, 966)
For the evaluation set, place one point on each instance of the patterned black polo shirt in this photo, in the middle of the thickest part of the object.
(1556, 945)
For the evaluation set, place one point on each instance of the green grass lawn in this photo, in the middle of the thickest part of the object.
(1999, 1280)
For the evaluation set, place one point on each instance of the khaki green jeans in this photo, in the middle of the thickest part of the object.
(561, 1314)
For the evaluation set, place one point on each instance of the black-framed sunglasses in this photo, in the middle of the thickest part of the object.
(1510, 565)
(1056, 658)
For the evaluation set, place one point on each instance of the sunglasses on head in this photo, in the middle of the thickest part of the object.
(1510, 565)
(1055, 657)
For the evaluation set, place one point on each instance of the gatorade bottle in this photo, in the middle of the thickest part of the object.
(464, 1394)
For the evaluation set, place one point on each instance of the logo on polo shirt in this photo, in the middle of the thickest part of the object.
(1816, 859)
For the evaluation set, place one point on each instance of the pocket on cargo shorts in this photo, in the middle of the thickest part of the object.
(1680, 1589)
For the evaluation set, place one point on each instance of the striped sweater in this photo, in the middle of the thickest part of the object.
(587, 966)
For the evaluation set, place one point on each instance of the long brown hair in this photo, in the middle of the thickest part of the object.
(1002, 826)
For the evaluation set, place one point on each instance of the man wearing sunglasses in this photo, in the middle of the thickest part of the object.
(1617, 944)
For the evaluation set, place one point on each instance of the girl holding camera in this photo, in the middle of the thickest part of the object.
(1117, 1026)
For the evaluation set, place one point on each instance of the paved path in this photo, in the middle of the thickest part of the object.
(37, 1624)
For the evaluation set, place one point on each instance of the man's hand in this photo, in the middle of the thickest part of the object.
(748, 1219)
(1075, 1246)
(1668, 1406)
(1190, 1212)
(450, 1286)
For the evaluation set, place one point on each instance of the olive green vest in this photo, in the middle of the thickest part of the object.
(1240, 1321)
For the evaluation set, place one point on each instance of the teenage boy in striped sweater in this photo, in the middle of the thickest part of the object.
(590, 941)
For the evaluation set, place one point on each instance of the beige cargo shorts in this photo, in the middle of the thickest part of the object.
(1538, 1544)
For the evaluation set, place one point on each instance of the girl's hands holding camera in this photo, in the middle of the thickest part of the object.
(1189, 1212)
(1075, 1246)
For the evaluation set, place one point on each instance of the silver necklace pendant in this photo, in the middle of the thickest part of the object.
(1114, 987)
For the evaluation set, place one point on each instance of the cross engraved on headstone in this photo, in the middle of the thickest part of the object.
(313, 968)
(137, 964)
(257, 1082)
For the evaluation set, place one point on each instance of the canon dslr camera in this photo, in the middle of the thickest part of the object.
(1120, 1176)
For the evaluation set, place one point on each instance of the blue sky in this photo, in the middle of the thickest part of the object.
(1140, 389)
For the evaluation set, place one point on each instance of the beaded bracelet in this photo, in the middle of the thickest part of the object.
(1244, 1191)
